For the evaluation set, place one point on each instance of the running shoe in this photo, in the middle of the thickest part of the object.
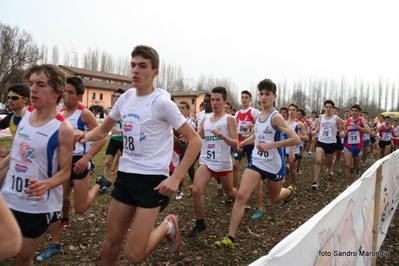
(197, 230)
(291, 196)
(64, 225)
(315, 185)
(298, 171)
(258, 214)
(179, 195)
(331, 175)
(358, 172)
(50, 252)
(226, 243)
(173, 236)
(103, 181)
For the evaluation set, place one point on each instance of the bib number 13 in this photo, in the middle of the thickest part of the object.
(129, 142)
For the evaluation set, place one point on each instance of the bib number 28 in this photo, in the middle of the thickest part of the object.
(129, 142)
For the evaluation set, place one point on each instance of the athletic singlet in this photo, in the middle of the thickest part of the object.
(366, 136)
(385, 133)
(396, 131)
(328, 130)
(354, 137)
(245, 117)
(147, 123)
(273, 160)
(117, 136)
(215, 152)
(77, 123)
(34, 155)
(294, 127)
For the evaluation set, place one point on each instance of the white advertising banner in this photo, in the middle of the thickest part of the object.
(342, 232)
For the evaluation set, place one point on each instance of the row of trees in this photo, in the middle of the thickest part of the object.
(18, 50)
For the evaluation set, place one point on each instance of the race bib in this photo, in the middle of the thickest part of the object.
(353, 137)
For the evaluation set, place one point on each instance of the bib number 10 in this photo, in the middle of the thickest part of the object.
(18, 184)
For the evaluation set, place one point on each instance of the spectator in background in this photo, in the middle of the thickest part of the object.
(18, 97)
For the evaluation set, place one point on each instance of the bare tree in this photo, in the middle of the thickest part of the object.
(66, 59)
(44, 52)
(95, 59)
(394, 97)
(17, 51)
(55, 57)
(74, 58)
(86, 59)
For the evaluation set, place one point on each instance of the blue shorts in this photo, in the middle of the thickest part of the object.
(355, 152)
(34, 225)
(366, 143)
(138, 190)
(264, 174)
(246, 150)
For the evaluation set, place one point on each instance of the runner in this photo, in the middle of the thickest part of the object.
(33, 185)
(268, 160)
(142, 184)
(355, 127)
(219, 133)
(326, 128)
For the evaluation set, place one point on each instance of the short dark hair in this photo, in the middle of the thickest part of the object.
(364, 112)
(294, 105)
(314, 112)
(329, 102)
(285, 108)
(147, 52)
(357, 107)
(302, 112)
(387, 117)
(119, 90)
(19, 89)
(221, 90)
(268, 85)
(186, 104)
(77, 83)
(246, 92)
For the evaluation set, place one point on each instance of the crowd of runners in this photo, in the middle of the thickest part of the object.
(159, 142)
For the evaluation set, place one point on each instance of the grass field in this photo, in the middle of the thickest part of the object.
(82, 241)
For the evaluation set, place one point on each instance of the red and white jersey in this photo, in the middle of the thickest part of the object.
(243, 118)
(354, 138)
(385, 133)
(396, 131)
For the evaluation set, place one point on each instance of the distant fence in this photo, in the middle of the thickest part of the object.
(350, 230)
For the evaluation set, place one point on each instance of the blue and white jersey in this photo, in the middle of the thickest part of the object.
(273, 160)
(77, 123)
(34, 155)
(294, 127)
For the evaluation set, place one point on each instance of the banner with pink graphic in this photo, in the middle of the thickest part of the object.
(342, 232)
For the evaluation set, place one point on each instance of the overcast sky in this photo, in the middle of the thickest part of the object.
(244, 40)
